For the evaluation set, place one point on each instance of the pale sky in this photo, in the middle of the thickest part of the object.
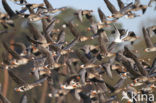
(131, 24)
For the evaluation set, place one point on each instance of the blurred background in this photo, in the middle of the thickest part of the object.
(136, 24)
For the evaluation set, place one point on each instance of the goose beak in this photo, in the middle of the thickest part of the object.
(152, 86)
(13, 63)
(74, 86)
(129, 102)
(124, 75)
(109, 17)
(94, 93)
(62, 87)
(78, 77)
(88, 29)
(145, 50)
(131, 85)
(17, 90)
(135, 81)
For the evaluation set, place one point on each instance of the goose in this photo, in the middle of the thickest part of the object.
(137, 6)
(50, 9)
(30, 86)
(81, 13)
(17, 59)
(129, 54)
(71, 85)
(115, 13)
(37, 35)
(103, 39)
(129, 14)
(127, 63)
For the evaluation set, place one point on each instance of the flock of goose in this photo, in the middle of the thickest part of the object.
(82, 71)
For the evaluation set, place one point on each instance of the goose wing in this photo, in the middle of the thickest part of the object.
(147, 39)
(102, 40)
(7, 8)
(110, 6)
(101, 15)
(120, 4)
(48, 5)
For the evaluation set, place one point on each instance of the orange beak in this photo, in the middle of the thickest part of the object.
(33, 69)
(129, 102)
(62, 87)
(74, 86)
(94, 93)
(17, 90)
(135, 81)
(13, 63)
(124, 75)
(34, 48)
(88, 29)
(78, 77)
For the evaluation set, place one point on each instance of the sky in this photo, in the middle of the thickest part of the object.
(131, 24)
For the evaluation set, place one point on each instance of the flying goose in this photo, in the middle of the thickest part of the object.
(137, 6)
(129, 54)
(73, 84)
(149, 44)
(30, 86)
(81, 13)
(50, 9)
(131, 37)
(127, 64)
(48, 54)
(33, 17)
(37, 35)
(103, 39)
(129, 14)
(17, 59)
(115, 13)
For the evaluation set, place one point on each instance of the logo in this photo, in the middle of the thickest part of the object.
(134, 97)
